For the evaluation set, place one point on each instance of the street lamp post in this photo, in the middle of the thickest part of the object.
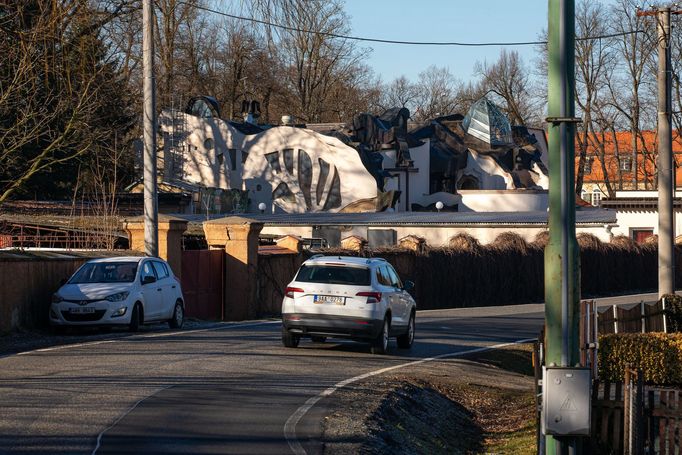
(151, 215)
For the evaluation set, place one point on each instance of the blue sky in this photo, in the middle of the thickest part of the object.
(444, 20)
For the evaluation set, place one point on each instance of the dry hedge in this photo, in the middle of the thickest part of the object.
(507, 271)
(464, 242)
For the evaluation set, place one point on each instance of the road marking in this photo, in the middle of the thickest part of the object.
(56, 348)
(99, 436)
(138, 336)
(292, 421)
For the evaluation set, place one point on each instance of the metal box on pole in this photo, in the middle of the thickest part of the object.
(566, 406)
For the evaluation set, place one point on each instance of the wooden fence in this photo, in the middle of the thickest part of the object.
(640, 317)
(631, 418)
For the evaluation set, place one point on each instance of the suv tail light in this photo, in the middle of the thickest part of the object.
(290, 292)
(372, 297)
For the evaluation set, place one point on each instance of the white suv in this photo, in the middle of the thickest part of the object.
(357, 298)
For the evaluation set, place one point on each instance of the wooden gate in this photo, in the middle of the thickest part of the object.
(203, 275)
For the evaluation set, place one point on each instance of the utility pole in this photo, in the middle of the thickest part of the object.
(666, 182)
(562, 289)
(151, 212)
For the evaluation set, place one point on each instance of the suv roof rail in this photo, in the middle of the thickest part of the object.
(369, 260)
(315, 256)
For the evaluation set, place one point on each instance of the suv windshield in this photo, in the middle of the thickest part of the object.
(105, 272)
(334, 274)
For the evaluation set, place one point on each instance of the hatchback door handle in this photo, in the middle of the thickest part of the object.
(159, 289)
(173, 286)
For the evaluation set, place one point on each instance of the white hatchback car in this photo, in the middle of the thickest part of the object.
(348, 297)
(123, 291)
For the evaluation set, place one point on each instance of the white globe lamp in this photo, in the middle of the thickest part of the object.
(262, 207)
(439, 206)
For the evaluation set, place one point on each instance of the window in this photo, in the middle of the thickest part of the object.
(641, 235)
(233, 159)
(161, 270)
(585, 196)
(587, 168)
(596, 197)
(383, 277)
(305, 176)
(626, 164)
(334, 274)
(289, 160)
(395, 280)
(273, 161)
(221, 159)
(322, 179)
(147, 270)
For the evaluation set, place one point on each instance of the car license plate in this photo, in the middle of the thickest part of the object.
(335, 299)
(82, 310)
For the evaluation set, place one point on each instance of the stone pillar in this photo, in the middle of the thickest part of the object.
(170, 239)
(239, 237)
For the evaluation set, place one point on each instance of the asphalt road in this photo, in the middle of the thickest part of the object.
(231, 389)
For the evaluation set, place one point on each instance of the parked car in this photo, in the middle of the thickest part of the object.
(357, 298)
(120, 291)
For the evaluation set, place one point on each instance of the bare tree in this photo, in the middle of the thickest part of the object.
(436, 94)
(635, 51)
(399, 93)
(508, 78)
(313, 61)
(593, 61)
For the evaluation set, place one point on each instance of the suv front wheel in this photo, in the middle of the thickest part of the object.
(405, 340)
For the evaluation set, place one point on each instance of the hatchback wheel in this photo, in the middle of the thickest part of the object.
(289, 339)
(380, 343)
(405, 340)
(178, 316)
(135, 318)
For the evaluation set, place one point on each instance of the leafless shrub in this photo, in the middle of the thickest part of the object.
(541, 239)
(623, 242)
(464, 242)
(589, 241)
(510, 241)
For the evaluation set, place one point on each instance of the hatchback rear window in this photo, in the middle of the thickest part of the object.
(334, 274)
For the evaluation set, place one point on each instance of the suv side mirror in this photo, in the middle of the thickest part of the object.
(148, 279)
(408, 285)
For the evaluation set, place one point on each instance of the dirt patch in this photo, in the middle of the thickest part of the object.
(447, 407)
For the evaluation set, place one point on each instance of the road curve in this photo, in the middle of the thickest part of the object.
(229, 389)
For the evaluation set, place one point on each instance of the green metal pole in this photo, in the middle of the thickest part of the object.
(562, 288)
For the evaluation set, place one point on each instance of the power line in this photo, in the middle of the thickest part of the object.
(388, 41)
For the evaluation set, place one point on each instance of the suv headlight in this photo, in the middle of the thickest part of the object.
(56, 298)
(119, 296)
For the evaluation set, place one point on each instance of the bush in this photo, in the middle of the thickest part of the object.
(658, 355)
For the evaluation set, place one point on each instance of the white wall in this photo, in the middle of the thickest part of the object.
(201, 165)
(503, 200)
(629, 220)
(440, 236)
(355, 181)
